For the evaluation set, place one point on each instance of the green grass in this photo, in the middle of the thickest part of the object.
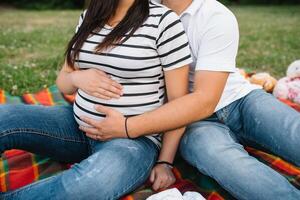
(32, 43)
(270, 38)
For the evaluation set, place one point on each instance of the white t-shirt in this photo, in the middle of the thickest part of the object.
(213, 35)
(138, 64)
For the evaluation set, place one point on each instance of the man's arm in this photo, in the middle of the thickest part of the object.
(200, 104)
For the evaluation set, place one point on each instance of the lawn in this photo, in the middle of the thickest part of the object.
(32, 43)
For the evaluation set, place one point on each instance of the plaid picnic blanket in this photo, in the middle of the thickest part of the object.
(19, 168)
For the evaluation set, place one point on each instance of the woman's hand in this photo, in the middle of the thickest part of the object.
(162, 177)
(96, 83)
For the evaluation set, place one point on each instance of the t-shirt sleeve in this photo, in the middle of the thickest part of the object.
(172, 43)
(80, 21)
(218, 45)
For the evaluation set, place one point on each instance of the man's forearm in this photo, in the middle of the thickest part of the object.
(175, 114)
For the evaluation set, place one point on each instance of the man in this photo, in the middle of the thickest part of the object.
(225, 111)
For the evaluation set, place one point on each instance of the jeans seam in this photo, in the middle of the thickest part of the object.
(38, 132)
(137, 180)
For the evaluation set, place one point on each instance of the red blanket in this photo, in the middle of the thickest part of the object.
(19, 168)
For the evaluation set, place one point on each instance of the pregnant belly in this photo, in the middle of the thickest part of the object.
(128, 105)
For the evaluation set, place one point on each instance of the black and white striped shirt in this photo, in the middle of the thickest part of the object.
(159, 45)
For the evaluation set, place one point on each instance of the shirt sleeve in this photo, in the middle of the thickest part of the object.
(172, 42)
(80, 21)
(218, 46)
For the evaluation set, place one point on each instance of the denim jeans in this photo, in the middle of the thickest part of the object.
(214, 146)
(105, 170)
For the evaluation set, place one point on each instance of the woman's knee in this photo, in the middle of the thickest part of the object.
(15, 116)
(111, 172)
(7, 112)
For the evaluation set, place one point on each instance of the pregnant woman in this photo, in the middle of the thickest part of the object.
(144, 49)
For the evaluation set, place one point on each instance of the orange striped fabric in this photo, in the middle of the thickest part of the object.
(2, 97)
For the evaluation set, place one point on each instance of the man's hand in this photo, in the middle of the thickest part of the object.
(113, 126)
(162, 177)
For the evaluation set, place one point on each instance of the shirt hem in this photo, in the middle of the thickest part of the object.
(243, 94)
(227, 68)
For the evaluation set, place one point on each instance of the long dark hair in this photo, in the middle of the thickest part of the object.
(97, 15)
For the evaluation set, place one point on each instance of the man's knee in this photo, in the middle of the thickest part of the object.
(207, 146)
(204, 139)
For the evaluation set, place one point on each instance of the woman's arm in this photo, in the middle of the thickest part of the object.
(92, 81)
(64, 80)
(177, 86)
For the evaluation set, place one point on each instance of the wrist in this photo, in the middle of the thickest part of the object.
(165, 155)
(126, 128)
(165, 160)
(131, 129)
(166, 163)
(139, 126)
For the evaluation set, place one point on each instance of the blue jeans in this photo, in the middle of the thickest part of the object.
(214, 146)
(105, 170)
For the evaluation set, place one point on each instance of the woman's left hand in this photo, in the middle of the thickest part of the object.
(162, 177)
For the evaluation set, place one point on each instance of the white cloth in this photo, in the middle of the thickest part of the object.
(213, 35)
(174, 194)
(192, 196)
